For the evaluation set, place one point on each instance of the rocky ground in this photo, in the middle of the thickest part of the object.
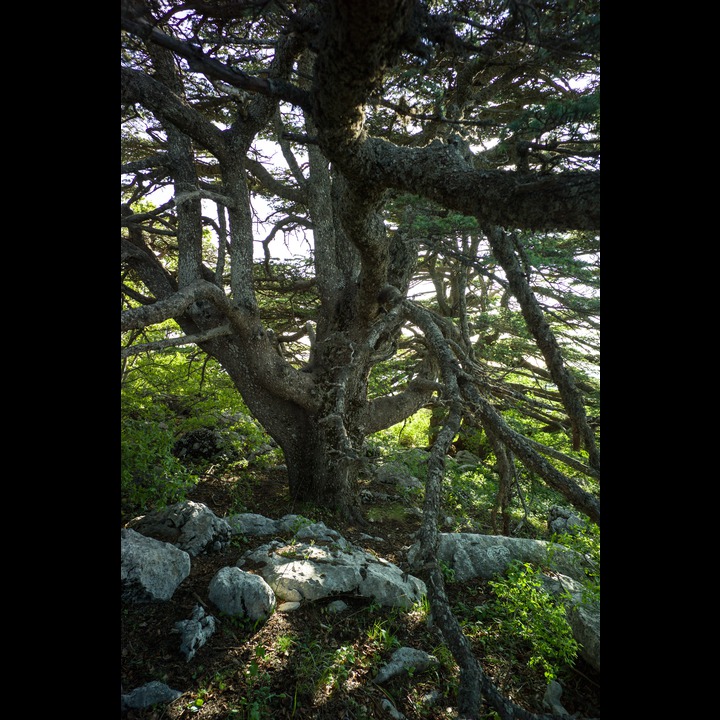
(310, 663)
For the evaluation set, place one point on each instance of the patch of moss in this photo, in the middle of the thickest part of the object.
(392, 512)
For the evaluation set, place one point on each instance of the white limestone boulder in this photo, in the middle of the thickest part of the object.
(150, 569)
(243, 594)
(301, 571)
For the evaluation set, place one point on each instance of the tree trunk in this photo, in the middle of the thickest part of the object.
(319, 474)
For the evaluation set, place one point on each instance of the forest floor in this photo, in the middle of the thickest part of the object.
(312, 664)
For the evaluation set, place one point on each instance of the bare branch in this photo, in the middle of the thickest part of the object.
(175, 342)
(181, 198)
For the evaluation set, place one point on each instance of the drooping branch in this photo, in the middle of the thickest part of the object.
(136, 86)
(564, 459)
(158, 160)
(137, 255)
(271, 184)
(473, 680)
(387, 410)
(514, 441)
(425, 561)
(503, 249)
(517, 443)
(201, 194)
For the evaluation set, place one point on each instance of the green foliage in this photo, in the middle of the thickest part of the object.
(388, 512)
(538, 97)
(442, 226)
(585, 540)
(164, 397)
(284, 644)
(339, 664)
(469, 493)
(422, 607)
(186, 387)
(308, 661)
(447, 662)
(198, 701)
(528, 612)
(555, 114)
(447, 571)
(473, 440)
(414, 459)
(387, 376)
(151, 476)
(382, 635)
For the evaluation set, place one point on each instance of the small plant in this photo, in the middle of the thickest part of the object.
(284, 643)
(337, 672)
(381, 635)
(198, 702)
(240, 492)
(422, 607)
(527, 611)
(307, 665)
(447, 571)
(299, 523)
(448, 667)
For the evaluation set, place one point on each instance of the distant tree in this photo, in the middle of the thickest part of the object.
(451, 142)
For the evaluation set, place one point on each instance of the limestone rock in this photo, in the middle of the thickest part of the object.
(195, 632)
(402, 661)
(241, 593)
(191, 526)
(149, 694)
(150, 569)
(302, 571)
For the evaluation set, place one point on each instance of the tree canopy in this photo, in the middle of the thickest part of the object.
(361, 209)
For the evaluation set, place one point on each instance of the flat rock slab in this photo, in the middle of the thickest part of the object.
(302, 571)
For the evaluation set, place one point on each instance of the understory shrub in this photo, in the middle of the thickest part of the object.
(527, 611)
(151, 477)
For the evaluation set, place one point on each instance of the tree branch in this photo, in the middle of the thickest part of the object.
(198, 61)
(473, 680)
(216, 332)
(582, 500)
(502, 247)
(176, 304)
(561, 201)
(136, 86)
